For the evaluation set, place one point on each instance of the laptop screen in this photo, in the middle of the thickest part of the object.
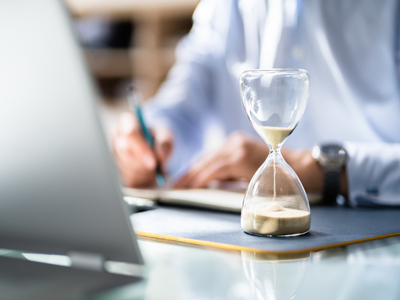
(59, 192)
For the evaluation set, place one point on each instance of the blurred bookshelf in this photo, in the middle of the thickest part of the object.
(153, 29)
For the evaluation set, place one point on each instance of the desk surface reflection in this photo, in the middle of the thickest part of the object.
(362, 271)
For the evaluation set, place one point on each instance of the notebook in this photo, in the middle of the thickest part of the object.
(209, 198)
(204, 198)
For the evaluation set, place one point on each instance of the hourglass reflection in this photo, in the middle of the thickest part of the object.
(275, 202)
(275, 276)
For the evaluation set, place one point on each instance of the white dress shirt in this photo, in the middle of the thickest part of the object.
(348, 47)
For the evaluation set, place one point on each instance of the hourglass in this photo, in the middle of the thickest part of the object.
(275, 203)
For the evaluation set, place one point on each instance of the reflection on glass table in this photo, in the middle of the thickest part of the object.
(275, 276)
(362, 271)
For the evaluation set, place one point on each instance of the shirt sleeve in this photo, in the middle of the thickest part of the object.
(184, 101)
(373, 172)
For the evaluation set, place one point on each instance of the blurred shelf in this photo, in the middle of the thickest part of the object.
(109, 63)
(158, 25)
(127, 9)
(152, 63)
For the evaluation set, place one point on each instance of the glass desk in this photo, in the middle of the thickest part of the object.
(369, 270)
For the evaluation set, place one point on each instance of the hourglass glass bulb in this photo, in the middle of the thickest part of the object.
(275, 202)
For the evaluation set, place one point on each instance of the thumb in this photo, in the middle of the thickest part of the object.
(163, 144)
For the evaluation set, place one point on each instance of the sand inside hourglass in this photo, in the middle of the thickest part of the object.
(273, 135)
(274, 219)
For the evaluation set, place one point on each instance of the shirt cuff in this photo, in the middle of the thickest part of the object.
(373, 173)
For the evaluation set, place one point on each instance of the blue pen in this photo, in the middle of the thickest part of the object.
(135, 101)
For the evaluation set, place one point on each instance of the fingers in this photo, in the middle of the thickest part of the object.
(238, 158)
(132, 177)
(220, 171)
(135, 159)
(131, 143)
(163, 144)
(201, 169)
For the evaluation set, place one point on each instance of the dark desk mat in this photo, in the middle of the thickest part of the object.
(330, 227)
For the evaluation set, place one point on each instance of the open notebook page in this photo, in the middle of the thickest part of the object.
(205, 198)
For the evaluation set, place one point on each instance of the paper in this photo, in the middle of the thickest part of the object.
(216, 199)
(205, 198)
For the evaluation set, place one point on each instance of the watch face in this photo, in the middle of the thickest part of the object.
(332, 156)
(333, 150)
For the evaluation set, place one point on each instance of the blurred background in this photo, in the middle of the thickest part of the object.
(129, 40)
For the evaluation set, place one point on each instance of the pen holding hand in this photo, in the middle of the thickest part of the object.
(139, 151)
(135, 102)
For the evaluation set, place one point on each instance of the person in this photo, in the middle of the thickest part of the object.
(350, 49)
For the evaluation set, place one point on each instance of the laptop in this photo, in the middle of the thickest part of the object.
(59, 190)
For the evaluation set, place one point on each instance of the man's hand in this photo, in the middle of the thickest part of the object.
(241, 156)
(238, 158)
(135, 159)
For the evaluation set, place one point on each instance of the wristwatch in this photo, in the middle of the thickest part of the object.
(332, 158)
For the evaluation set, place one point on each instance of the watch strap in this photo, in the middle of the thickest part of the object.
(331, 186)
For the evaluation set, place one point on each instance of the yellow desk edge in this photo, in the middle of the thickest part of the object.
(223, 246)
